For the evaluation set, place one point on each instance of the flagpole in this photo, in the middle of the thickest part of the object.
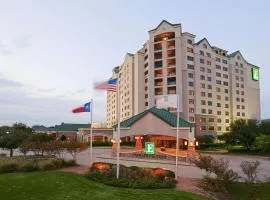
(177, 140)
(118, 132)
(91, 134)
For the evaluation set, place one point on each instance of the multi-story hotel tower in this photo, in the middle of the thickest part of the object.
(215, 87)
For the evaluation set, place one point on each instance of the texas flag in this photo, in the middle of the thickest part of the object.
(85, 108)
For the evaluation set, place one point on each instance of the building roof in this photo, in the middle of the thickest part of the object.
(162, 114)
(164, 21)
(69, 127)
(234, 54)
(204, 39)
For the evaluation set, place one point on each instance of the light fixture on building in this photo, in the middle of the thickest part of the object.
(197, 143)
(185, 143)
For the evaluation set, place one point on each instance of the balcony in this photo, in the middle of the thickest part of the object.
(158, 64)
(172, 90)
(158, 91)
(158, 47)
(158, 55)
(158, 73)
(164, 36)
(171, 81)
(171, 62)
(158, 83)
(171, 45)
(171, 71)
(171, 53)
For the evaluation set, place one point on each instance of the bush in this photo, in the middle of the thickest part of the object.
(9, 167)
(29, 167)
(69, 163)
(132, 177)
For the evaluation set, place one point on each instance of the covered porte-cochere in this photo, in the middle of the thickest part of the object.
(160, 127)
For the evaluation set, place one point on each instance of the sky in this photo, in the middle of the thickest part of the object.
(52, 51)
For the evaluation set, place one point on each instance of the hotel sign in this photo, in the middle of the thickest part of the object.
(150, 148)
(255, 73)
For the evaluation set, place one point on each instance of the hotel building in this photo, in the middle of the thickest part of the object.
(215, 87)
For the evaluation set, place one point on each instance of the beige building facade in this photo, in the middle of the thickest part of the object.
(215, 87)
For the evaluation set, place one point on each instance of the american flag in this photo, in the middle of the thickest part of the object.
(109, 85)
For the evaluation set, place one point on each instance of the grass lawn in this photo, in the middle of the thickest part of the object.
(239, 191)
(66, 186)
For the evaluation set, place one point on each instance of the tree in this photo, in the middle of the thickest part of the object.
(243, 132)
(262, 142)
(265, 127)
(14, 137)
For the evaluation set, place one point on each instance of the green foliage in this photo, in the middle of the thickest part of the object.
(132, 177)
(265, 127)
(263, 143)
(242, 132)
(32, 163)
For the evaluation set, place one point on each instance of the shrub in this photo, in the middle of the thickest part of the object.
(68, 163)
(9, 167)
(28, 167)
(132, 177)
(48, 165)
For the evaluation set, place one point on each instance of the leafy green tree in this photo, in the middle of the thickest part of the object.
(242, 132)
(262, 142)
(265, 127)
(14, 136)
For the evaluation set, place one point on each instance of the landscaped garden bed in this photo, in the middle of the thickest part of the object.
(132, 177)
(32, 163)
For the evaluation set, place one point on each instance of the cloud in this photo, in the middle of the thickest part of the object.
(23, 41)
(6, 83)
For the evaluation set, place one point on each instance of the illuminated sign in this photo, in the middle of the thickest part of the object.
(255, 73)
(150, 148)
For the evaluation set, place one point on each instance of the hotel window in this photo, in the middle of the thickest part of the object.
(243, 107)
(243, 114)
(225, 83)
(241, 72)
(238, 106)
(191, 110)
(238, 114)
(190, 58)
(201, 53)
(236, 70)
(202, 119)
(227, 121)
(218, 82)
(205, 46)
(237, 91)
(217, 59)
(191, 92)
(190, 50)
(202, 77)
(227, 113)
(189, 41)
(189, 66)
(208, 55)
(203, 102)
(225, 69)
(226, 105)
(242, 85)
(218, 74)
(202, 85)
(242, 93)
(202, 69)
(237, 78)
(224, 61)
(219, 128)
(146, 104)
(241, 78)
(203, 128)
(237, 84)
(190, 75)
(241, 65)
(218, 89)
(208, 62)
(191, 119)
(242, 100)
(191, 101)
(209, 70)
(202, 61)
(203, 94)
(236, 63)
(209, 78)
(219, 105)
(209, 87)
(227, 128)
(203, 110)
(237, 99)
(210, 112)
(226, 91)
(218, 67)
(218, 112)
(210, 95)
(218, 97)
(211, 128)
(191, 84)
(211, 120)
(225, 76)
(210, 103)
(219, 120)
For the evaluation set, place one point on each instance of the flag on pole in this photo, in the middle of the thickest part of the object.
(166, 101)
(85, 108)
(109, 85)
